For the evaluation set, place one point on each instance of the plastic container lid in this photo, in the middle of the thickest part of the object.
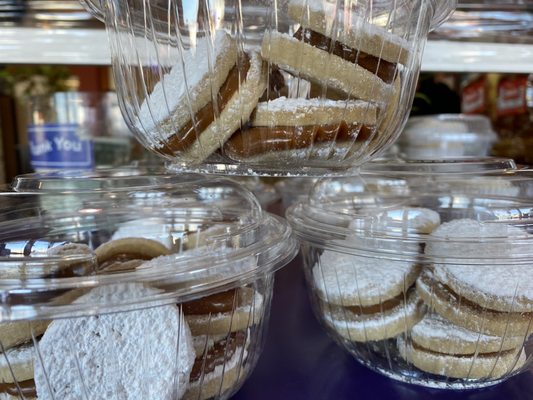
(447, 136)
(439, 168)
(218, 236)
(334, 217)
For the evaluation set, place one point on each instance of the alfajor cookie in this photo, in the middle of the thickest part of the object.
(465, 313)
(436, 334)
(346, 54)
(18, 332)
(471, 366)
(470, 286)
(351, 280)
(183, 116)
(139, 353)
(219, 366)
(378, 322)
(316, 128)
(230, 311)
(407, 220)
(16, 373)
(128, 253)
(365, 298)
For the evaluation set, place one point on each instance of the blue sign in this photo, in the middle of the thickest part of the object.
(55, 146)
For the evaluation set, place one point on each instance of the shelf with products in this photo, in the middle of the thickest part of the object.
(82, 46)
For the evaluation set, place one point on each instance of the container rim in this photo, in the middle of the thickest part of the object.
(181, 277)
(364, 234)
(455, 166)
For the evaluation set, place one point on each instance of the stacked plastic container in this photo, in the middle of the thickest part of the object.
(125, 285)
(430, 286)
(137, 284)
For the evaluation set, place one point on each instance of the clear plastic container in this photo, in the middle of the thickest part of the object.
(159, 292)
(430, 289)
(443, 136)
(299, 87)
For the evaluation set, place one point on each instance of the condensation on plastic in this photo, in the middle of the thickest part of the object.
(347, 241)
(219, 243)
(163, 49)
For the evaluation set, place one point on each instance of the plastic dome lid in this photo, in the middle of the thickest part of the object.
(448, 127)
(101, 180)
(217, 237)
(394, 227)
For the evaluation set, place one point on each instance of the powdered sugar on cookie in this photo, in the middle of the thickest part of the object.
(355, 280)
(138, 354)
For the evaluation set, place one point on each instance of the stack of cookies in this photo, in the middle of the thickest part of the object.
(199, 349)
(364, 298)
(481, 302)
(220, 99)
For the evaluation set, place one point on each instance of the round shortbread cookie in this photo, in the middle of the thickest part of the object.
(471, 316)
(137, 354)
(306, 61)
(408, 220)
(132, 247)
(319, 16)
(16, 364)
(157, 229)
(235, 114)
(502, 287)
(304, 112)
(474, 367)
(378, 326)
(350, 280)
(188, 87)
(436, 334)
(15, 333)
(74, 258)
(223, 378)
(248, 312)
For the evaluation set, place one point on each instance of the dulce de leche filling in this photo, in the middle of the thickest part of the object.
(222, 302)
(220, 353)
(387, 305)
(27, 389)
(188, 133)
(385, 70)
(448, 294)
(121, 262)
(257, 140)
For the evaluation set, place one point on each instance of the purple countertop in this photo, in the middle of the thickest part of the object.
(300, 361)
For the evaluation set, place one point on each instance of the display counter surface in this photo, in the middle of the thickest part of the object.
(300, 361)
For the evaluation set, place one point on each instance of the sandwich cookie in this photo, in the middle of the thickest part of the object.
(316, 128)
(365, 298)
(439, 335)
(482, 296)
(220, 324)
(154, 228)
(221, 313)
(16, 373)
(407, 220)
(73, 259)
(360, 59)
(136, 354)
(456, 308)
(128, 253)
(441, 348)
(219, 366)
(183, 117)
